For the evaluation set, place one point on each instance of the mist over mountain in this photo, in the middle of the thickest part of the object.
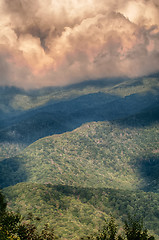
(79, 112)
(32, 115)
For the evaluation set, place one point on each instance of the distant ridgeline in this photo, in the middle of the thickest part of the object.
(76, 155)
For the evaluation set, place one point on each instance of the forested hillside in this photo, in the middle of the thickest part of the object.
(27, 116)
(119, 154)
(73, 156)
(76, 211)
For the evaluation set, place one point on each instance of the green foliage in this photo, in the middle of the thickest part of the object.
(133, 230)
(98, 154)
(48, 233)
(10, 149)
(29, 115)
(3, 203)
(18, 99)
(75, 211)
(109, 231)
(8, 222)
(13, 227)
(120, 158)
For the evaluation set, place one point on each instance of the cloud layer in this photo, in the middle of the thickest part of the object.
(55, 42)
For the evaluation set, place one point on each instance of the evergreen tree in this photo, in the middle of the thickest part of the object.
(133, 230)
(13, 228)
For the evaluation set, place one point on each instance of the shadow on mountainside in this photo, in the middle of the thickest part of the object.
(57, 118)
(11, 173)
(149, 170)
(145, 118)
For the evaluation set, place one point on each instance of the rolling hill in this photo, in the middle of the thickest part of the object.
(77, 211)
(75, 155)
(27, 116)
(99, 154)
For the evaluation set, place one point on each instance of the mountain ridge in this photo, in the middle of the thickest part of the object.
(95, 140)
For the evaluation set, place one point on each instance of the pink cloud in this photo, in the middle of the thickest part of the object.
(60, 42)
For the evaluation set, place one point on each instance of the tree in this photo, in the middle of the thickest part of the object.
(109, 231)
(8, 221)
(3, 203)
(48, 233)
(133, 230)
(12, 226)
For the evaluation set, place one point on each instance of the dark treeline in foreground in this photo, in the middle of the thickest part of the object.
(13, 226)
(133, 230)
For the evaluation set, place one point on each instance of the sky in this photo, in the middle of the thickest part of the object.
(60, 42)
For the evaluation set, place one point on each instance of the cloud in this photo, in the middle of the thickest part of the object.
(60, 42)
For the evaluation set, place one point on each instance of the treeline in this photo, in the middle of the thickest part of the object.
(76, 211)
(132, 230)
(14, 227)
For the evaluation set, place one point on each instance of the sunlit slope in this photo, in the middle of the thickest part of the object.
(14, 99)
(91, 135)
(26, 116)
(75, 212)
(115, 154)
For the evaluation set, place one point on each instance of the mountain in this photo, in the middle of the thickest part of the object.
(30, 115)
(74, 155)
(99, 154)
(78, 211)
